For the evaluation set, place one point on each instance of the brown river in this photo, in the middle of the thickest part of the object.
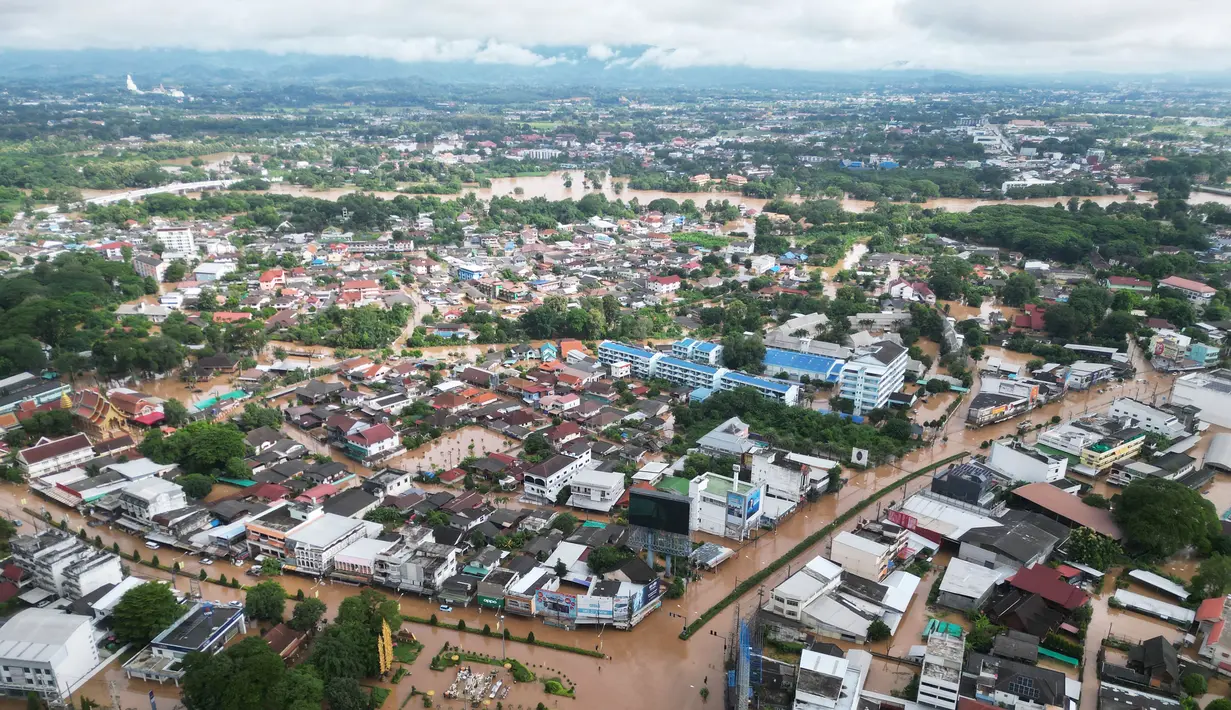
(552, 187)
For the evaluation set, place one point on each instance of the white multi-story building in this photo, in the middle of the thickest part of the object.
(942, 671)
(544, 481)
(65, 565)
(726, 506)
(1147, 417)
(312, 547)
(596, 490)
(1194, 291)
(1016, 462)
(47, 652)
(53, 455)
(873, 374)
(701, 351)
(415, 563)
(178, 240)
(865, 556)
(828, 682)
(819, 576)
(144, 499)
(1208, 391)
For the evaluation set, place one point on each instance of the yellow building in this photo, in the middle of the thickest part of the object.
(1107, 451)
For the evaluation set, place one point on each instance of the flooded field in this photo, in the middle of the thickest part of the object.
(552, 187)
(447, 451)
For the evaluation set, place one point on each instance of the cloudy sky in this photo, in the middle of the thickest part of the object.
(966, 35)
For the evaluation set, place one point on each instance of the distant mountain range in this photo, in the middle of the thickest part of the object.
(192, 68)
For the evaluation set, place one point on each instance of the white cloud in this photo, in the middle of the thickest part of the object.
(601, 52)
(969, 35)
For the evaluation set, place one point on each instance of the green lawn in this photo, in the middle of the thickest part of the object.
(379, 696)
(407, 651)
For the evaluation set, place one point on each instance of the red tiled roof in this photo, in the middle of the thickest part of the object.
(1215, 632)
(1210, 609)
(13, 572)
(1047, 583)
(8, 590)
(371, 435)
(1053, 499)
(1186, 284)
(51, 449)
(1128, 281)
(150, 419)
(268, 491)
(563, 430)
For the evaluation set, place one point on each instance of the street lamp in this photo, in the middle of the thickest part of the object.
(499, 621)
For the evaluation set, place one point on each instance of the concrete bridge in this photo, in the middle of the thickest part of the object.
(178, 188)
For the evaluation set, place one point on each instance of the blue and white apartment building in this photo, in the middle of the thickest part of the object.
(647, 363)
(875, 372)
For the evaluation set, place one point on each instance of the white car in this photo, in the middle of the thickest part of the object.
(206, 561)
(446, 608)
(152, 545)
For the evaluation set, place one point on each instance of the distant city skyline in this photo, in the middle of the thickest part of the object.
(959, 35)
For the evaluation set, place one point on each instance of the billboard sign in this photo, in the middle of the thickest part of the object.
(556, 604)
(596, 607)
(752, 505)
(859, 457)
(906, 520)
(658, 510)
(651, 591)
(735, 508)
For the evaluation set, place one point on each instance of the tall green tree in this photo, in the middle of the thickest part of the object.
(144, 612)
(266, 601)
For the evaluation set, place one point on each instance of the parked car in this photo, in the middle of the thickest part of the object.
(152, 545)
(95, 523)
(206, 561)
(446, 608)
(254, 571)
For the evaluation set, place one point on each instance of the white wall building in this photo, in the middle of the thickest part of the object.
(818, 577)
(312, 547)
(831, 682)
(1018, 463)
(863, 556)
(873, 374)
(46, 651)
(942, 671)
(544, 481)
(596, 490)
(52, 455)
(725, 506)
(1147, 417)
(65, 565)
(143, 499)
(178, 240)
(1208, 391)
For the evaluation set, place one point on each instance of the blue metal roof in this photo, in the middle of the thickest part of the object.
(694, 366)
(686, 342)
(707, 347)
(626, 349)
(827, 367)
(753, 381)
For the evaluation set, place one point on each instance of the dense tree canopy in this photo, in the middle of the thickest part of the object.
(144, 612)
(1160, 517)
(199, 447)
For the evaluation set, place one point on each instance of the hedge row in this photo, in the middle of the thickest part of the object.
(755, 580)
(519, 639)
